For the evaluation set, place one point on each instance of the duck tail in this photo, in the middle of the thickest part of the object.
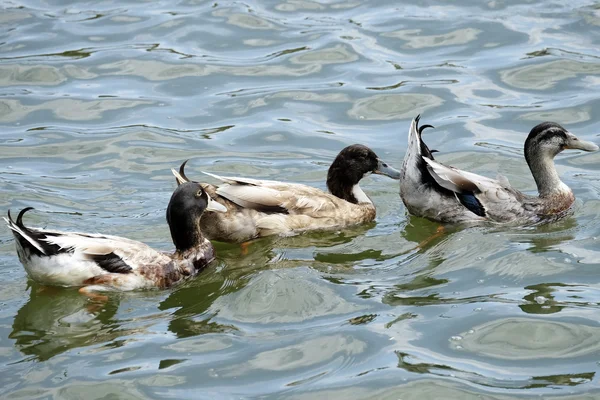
(26, 237)
(415, 139)
(180, 177)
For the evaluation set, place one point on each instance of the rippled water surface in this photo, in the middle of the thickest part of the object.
(99, 99)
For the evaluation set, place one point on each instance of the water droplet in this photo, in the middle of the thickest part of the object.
(480, 280)
(456, 338)
(478, 309)
(361, 117)
(471, 331)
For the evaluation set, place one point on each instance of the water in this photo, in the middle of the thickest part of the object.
(98, 100)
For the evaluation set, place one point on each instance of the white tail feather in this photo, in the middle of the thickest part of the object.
(414, 140)
(25, 236)
(178, 176)
(215, 176)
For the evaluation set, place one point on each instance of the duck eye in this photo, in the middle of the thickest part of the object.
(199, 193)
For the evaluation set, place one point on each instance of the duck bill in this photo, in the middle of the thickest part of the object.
(576, 144)
(384, 169)
(215, 206)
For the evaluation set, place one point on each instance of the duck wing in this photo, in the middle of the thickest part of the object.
(274, 196)
(111, 253)
(478, 193)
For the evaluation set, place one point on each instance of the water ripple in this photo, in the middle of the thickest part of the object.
(98, 102)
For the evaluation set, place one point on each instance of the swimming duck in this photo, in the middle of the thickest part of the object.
(102, 262)
(258, 208)
(446, 194)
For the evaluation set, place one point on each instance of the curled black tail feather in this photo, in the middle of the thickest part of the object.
(32, 235)
(20, 217)
(182, 173)
(421, 129)
(425, 152)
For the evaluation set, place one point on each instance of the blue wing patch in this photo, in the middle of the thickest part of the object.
(470, 201)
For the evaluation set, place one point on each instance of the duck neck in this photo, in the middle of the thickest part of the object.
(185, 231)
(340, 186)
(546, 177)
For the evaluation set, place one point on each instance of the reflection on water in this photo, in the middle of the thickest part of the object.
(282, 296)
(98, 101)
(55, 320)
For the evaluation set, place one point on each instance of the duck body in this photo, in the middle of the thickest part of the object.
(446, 194)
(277, 209)
(258, 208)
(104, 262)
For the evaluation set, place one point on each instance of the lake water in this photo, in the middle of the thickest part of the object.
(99, 99)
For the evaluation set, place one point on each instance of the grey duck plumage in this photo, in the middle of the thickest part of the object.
(446, 194)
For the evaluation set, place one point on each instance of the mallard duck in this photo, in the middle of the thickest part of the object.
(102, 262)
(258, 208)
(446, 194)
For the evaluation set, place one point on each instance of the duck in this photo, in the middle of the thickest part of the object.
(447, 194)
(259, 208)
(98, 262)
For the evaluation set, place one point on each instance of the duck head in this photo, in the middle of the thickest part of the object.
(351, 165)
(544, 142)
(550, 138)
(188, 202)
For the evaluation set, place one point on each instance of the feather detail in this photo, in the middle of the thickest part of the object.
(112, 263)
(450, 178)
(270, 196)
(28, 238)
(255, 197)
(22, 231)
(241, 181)
(470, 201)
